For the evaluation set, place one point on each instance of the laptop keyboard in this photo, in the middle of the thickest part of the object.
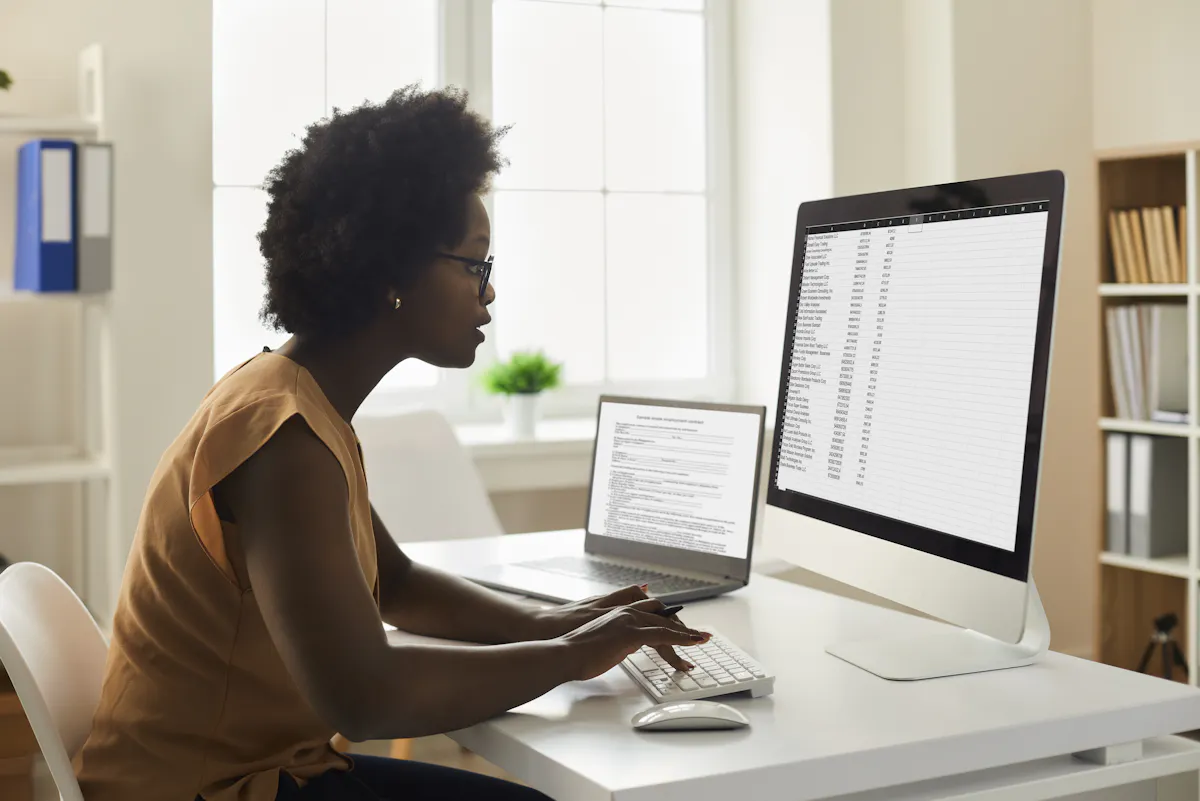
(616, 575)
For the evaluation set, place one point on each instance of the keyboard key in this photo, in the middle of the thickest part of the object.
(642, 662)
(726, 680)
(742, 675)
(686, 684)
(706, 682)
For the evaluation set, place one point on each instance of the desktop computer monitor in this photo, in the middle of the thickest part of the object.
(911, 408)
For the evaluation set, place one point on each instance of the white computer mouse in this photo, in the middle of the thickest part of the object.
(689, 716)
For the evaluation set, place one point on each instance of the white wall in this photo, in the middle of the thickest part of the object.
(1146, 71)
(781, 158)
(158, 114)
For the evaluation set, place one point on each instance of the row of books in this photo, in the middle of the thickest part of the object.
(1146, 495)
(64, 217)
(1149, 245)
(1147, 361)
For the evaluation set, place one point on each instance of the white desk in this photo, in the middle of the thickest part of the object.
(831, 729)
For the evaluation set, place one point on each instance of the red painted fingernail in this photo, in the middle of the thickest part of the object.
(643, 587)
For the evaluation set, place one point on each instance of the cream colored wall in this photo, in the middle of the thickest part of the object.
(1146, 71)
(928, 91)
(1035, 113)
(929, 142)
(158, 114)
(868, 54)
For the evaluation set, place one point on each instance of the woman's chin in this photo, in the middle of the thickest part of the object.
(454, 361)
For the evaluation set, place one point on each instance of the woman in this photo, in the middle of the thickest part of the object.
(249, 627)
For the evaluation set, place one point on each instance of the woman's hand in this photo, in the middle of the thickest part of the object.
(559, 620)
(600, 645)
(556, 621)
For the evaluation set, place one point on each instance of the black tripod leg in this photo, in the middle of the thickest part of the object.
(1166, 659)
(1146, 657)
(1179, 660)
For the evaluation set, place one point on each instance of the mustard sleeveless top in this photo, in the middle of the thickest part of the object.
(196, 699)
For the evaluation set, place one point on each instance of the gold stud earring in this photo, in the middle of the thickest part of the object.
(397, 303)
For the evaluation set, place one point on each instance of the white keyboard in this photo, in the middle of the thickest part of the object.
(721, 668)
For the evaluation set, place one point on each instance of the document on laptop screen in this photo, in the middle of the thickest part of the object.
(680, 478)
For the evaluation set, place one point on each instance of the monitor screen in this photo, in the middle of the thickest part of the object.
(909, 366)
(676, 477)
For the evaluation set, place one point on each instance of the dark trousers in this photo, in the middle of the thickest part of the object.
(382, 779)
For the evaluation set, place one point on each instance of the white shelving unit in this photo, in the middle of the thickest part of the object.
(1133, 590)
(87, 463)
(47, 126)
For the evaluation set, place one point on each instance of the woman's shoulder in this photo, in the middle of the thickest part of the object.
(266, 375)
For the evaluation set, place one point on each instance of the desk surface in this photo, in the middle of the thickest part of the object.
(829, 728)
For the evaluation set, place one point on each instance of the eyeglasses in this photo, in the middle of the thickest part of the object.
(483, 269)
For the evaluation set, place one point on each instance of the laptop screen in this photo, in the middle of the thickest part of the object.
(675, 477)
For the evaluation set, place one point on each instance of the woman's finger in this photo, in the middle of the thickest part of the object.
(657, 636)
(624, 597)
(649, 605)
(674, 659)
(650, 620)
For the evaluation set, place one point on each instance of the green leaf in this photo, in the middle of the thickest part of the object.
(525, 372)
(5, 80)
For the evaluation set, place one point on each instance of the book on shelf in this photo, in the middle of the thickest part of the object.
(1147, 361)
(1148, 245)
(1145, 495)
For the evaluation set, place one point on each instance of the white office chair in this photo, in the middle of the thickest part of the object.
(422, 481)
(54, 653)
(424, 486)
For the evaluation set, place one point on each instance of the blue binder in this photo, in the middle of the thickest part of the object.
(46, 228)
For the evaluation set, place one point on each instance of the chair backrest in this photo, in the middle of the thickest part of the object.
(423, 483)
(54, 653)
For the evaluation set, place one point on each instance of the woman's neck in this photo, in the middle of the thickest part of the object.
(346, 370)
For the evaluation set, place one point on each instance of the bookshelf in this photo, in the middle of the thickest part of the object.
(1134, 590)
(89, 463)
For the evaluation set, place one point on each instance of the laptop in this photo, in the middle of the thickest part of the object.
(672, 503)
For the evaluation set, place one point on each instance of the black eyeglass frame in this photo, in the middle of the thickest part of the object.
(476, 267)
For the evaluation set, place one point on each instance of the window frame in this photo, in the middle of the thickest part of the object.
(465, 60)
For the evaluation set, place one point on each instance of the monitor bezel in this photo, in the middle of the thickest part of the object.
(1030, 187)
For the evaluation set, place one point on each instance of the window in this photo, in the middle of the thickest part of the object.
(278, 67)
(609, 225)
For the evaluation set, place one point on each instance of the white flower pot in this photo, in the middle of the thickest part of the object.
(521, 412)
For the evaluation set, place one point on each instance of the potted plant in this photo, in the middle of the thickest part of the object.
(522, 379)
